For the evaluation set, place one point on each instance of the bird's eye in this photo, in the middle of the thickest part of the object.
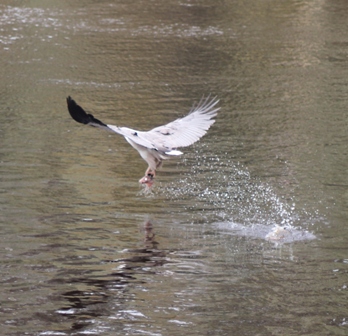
(135, 133)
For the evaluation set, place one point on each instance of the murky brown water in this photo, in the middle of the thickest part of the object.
(85, 251)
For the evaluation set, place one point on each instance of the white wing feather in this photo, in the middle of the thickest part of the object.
(182, 132)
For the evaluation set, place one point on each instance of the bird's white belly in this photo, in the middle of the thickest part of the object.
(152, 157)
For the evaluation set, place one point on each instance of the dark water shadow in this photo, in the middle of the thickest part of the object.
(95, 294)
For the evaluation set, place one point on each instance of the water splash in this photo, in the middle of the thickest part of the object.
(225, 192)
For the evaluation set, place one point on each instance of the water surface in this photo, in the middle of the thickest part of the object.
(85, 251)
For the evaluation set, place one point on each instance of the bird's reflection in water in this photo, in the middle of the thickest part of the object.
(100, 294)
(148, 256)
(149, 239)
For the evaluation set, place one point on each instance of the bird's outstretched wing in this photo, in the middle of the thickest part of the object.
(185, 131)
(79, 115)
(182, 132)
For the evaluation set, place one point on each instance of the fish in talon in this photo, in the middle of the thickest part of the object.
(148, 181)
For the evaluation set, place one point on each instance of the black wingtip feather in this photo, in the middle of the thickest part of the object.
(79, 114)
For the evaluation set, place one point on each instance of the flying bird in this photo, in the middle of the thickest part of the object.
(162, 142)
